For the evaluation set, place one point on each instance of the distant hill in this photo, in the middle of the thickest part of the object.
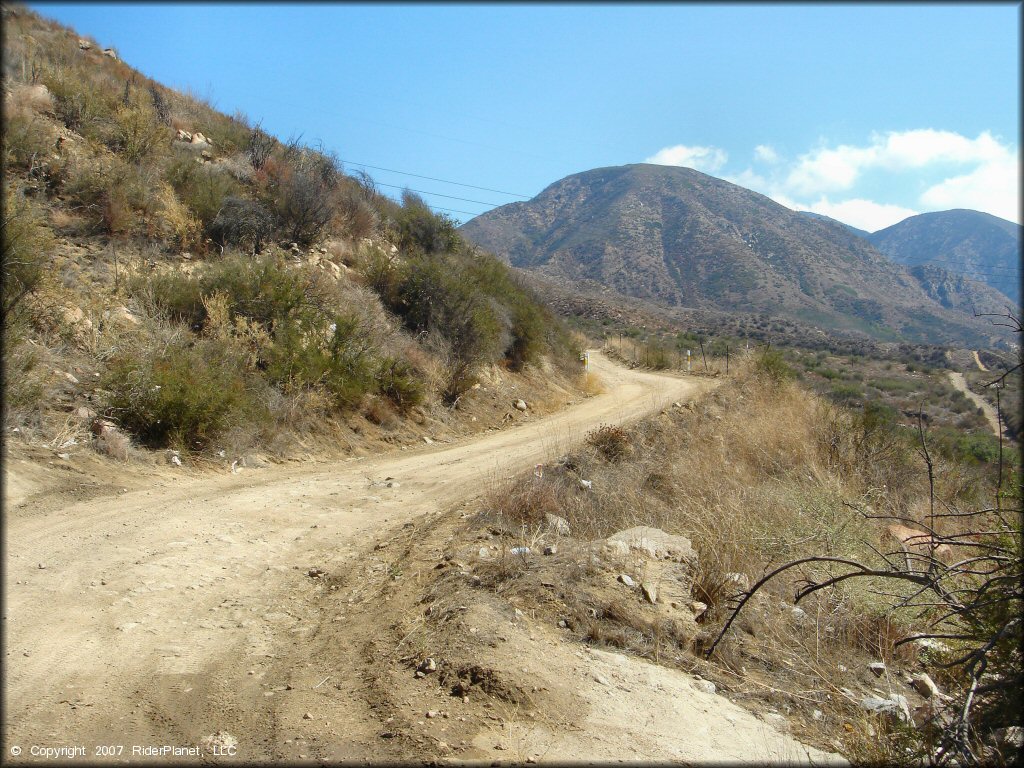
(974, 244)
(681, 238)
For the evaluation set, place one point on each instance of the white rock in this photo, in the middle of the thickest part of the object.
(704, 685)
(175, 461)
(558, 524)
(627, 580)
(650, 591)
(877, 668)
(521, 405)
(924, 685)
(655, 543)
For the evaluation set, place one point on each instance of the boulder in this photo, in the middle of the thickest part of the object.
(84, 44)
(924, 685)
(655, 543)
(183, 135)
(110, 53)
(521, 405)
(877, 668)
(896, 705)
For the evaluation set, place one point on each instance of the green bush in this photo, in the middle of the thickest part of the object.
(772, 366)
(26, 243)
(184, 397)
(203, 189)
(400, 382)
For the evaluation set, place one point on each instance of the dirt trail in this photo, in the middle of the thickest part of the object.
(171, 613)
(977, 360)
(958, 381)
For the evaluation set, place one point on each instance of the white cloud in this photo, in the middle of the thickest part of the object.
(707, 159)
(919, 170)
(765, 153)
(860, 213)
(840, 168)
(993, 187)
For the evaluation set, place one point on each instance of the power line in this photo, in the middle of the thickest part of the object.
(431, 178)
(438, 194)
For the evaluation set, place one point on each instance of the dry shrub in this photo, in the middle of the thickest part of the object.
(521, 502)
(113, 443)
(379, 411)
(611, 442)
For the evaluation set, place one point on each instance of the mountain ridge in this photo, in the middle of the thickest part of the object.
(682, 238)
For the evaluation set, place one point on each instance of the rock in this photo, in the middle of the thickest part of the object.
(183, 135)
(627, 580)
(176, 461)
(877, 668)
(777, 721)
(551, 550)
(817, 714)
(650, 591)
(206, 155)
(427, 440)
(427, 665)
(798, 613)
(586, 485)
(739, 579)
(484, 552)
(521, 551)
(315, 573)
(85, 413)
(704, 685)
(698, 608)
(122, 315)
(558, 524)
(64, 456)
(924, 685)
(896, 705)
(677, 404)
(598, 677)
(110, 53)
(308, 716)
(433, 713)
(42, 567)
(84, 44)
(198, 140)
(562, 624)
(521, 405)
(655, 543)
(1009, 738)
(393, 484)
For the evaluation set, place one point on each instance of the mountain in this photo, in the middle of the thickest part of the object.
(858, 232)
(681, 238)
(974, 244)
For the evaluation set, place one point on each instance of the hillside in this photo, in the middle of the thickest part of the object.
(682, 238)
(970, 243)
(176, 278)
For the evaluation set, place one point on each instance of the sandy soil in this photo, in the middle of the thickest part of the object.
(184, 614)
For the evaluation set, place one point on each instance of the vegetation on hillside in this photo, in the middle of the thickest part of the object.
(762, 473)
(214, 280)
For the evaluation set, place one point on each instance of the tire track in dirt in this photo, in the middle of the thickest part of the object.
(167, 614)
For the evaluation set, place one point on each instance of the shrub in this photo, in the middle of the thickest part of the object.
(183, 397)
(203, 189)
(138, 134)
(420, 230)
(302, 193)
(400, 382)
(771, 365)
(242, 222)
(611, 442)
(26, 241)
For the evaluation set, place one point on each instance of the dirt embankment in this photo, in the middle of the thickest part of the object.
(193, 609)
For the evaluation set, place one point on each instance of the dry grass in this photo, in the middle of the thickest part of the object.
(748, 476)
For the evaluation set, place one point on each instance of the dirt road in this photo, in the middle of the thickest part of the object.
(158, 617)
(958, 381)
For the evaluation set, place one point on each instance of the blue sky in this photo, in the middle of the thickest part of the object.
(868, 113)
